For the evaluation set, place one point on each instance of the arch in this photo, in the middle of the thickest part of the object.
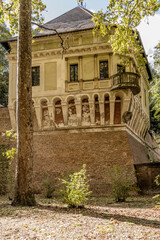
(97, 109)
(94, 95)
(43, 99)
(107, 108)
(120, 94)
(117, 110)
(84, 96)
(69, 97)
(106, 94)
(55, 99)
(86, 120)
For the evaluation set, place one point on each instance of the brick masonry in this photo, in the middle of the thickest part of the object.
(60, 154)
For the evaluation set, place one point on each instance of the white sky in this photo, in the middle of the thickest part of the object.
(150, 34)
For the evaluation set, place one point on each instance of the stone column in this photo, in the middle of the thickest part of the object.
(66, 69)
(80, 78)
(65, 113)
(66, 74)
(12, 114)
(38, 114)
(95, 67)
(102, 115)
(96, 75)
(79, 111)
(112, 109)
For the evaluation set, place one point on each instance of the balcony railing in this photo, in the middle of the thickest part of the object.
(126, 80)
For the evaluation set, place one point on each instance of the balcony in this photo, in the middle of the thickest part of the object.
(126, 80)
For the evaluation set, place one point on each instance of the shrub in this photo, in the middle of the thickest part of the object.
(121, 183)
(76, 188)
(48, 187)
(156, 198)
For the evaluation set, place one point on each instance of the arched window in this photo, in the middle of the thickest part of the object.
(85, 112)
(59, 121)
(107, 109)
(97, 110)
(45, 114)
(72, 115)
(117, 111)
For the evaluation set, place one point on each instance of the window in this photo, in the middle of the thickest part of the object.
(120, 68)
(35, 76)
(103, 69)
(74, 73)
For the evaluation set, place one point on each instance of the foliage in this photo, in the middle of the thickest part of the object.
(155, 93)
(4, 68)
(9, 12)
(120, 21)
(48, 187)
(10, 153)
(157, 197)
(121, 183)
(4, 165)
(76, 190)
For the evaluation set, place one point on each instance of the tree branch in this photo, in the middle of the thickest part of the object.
(54, 30)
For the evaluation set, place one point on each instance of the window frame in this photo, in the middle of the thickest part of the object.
(74, 78)
(36, 67)
(107, 73)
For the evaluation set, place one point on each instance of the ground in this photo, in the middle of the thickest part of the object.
(102, 218)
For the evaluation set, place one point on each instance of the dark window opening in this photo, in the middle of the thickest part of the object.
(103, 67)
(36, 76)
(117, 111)
(74, 73)
(120, 68)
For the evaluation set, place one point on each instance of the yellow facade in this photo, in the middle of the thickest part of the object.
(86, 52)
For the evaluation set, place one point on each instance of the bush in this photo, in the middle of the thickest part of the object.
(157, 197)
(48, 187)
(121, 183)
(76, 188)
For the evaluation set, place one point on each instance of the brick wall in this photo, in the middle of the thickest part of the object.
(58, 154)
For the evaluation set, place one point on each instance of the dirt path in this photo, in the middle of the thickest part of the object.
(50, 220)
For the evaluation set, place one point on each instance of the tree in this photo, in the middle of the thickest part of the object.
(18, 13)
(120, 21)
(155, 93)
(4, 75)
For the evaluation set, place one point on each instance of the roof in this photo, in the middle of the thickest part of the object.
(77, 19)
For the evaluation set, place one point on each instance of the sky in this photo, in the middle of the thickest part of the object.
(148, 28)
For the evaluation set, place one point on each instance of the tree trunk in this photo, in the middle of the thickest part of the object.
(24, 168)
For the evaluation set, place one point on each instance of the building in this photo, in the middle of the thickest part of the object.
(88, 108)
